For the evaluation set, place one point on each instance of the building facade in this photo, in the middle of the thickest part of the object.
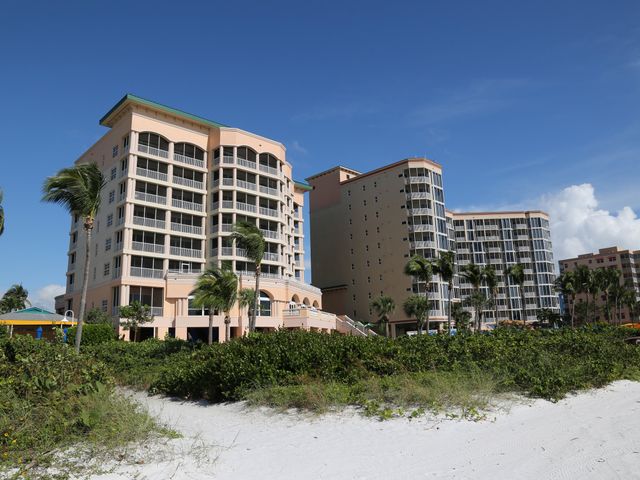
(626, 261)
(502, 239)
(366, 226)
(176, 184)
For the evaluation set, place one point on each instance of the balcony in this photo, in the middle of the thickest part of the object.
(226, 227)
(270, 212)
(417, 180)
(188, 160)
(183, 228)
(270, 234)
(149, 222)
(116, 272)
(246, 185)
(269, 170)
(156, 175)
(156, 311)
(146, 272)
(227, 181)
(420, 211)
(226, 251)
(153, 151)
(119, 221)
(187, 182)
(215, 182)
(228, 159)
(196, 207)
(418, 195)
(185, 252)
(147, 247)
(245, 207)
(151, 198)
(420, 228)
(495, 261)
(423, 244)
(247, 163)
(271, 257)
(241, 252)
(118, 247)
(269, 191)
(122, 196)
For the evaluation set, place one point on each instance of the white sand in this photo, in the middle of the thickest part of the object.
(593, 435)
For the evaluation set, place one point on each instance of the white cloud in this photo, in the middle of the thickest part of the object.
(295, 145)
(578, 226)
(45, 296)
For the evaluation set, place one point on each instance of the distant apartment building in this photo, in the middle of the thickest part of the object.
(366, 226)
(626, 261)
(176, 184)
(501, 239)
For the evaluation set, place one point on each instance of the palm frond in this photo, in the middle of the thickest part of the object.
(78, 189)
(249, 237)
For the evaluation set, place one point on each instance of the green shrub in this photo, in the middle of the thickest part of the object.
(93, 334)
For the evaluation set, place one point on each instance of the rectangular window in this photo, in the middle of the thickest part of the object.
(114, 152)
(107, 269)
(103, 305)
(107, 245)
(112, 196)
(109, 219)
(114, 171)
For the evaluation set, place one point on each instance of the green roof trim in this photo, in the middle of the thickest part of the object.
(159, 106)
(303, 185)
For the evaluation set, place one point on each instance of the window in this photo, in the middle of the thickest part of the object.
(107, 244)
(196, 311)
(114, 171)
(72, 258)
(114, 151)
(112, 196)
(109, 219)
(103, 305)
(107, 269)
(71, 279)
(74, 237)
(125, 141)
(265, 305)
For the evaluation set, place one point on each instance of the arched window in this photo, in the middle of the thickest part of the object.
(306, 301)
(265, 304)
(152, 141)
(189, 150)
(295, 299)
(246, 153)
(316, 304)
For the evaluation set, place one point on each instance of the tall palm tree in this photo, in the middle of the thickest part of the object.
(216, 289)
(474, 274)
(609, 280)
(247, 299)
(422, 270)
(15, 298)
(418, 307)
(630, 300)
(384, 306)
(461, 316)
(517, 275)
(445, 266)
(249, 237)
(1, 214)
(584, 280)
(491, 281)
(79, 190)
(566, 285)
(598, 280)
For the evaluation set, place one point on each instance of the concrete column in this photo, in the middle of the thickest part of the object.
(181, 333)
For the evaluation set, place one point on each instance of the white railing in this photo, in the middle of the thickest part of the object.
(227, 181)
(185, 252)
(241, 252)
(186, 205)
(119, 221)
(187, 182)
(188, 160)
(246, 185)
(214, 252)
(420, 228)
(246, 207)
(269, 190)
(421, 211)
(464, 250)
(183, 228)
(156, 311)
(226, 251)
(228, 159)
(269, 212)
(417, 179)
(247, 163)
(227, 204)
(495, 261)
(146, 272)
(149, 222)
(116, 272)
(270, 234)
(147, 247)
(153, 151)
(122, 196)
(215, 182)
(272, 257)
(150, 197)
(269, 170)
(494, 250)
(423, 244)
(144, 172)
(118, 247)
(417, 195)
(226, 227)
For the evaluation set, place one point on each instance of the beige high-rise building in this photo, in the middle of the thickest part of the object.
(626, 261)
(366, 226)
(176, 183)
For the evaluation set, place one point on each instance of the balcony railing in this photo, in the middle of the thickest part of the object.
(156, 311)
(188, 160)
(122, 196)
(241, 252)
(269, 170)
(272, 257)
(423, 244)
(421, 211)
(186, 252)
(226, 227)
(147, 247)
(245, 207)
(116, 272)
(197, 207)
(153, 151)
(417, 195)
(417, 180)
(228, 159)
(149, 222)
(246, 185)
(187, 182)
(269, 190)
(420, 228)
(146, 272)
(270, 234)
(118, 247)
(119, 221)
(226, 251)
(247, 163)
(226, 181)
(183, 228)
(269, 212)
(150, 197)
(144, 172)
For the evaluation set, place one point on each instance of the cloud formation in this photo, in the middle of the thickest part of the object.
(578, 226)
(45, 297)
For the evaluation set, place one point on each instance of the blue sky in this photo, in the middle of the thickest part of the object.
(516, 100)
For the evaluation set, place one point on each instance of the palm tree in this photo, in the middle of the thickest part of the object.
(79, 190)
(630, 300)
(473, 274)
(609, 280)
(566, 285)
(516, 272)
(418, 306)
(1, 214)
(491, 281)
(594, 288)
(461, 316)
(445, 266)
(216, 289)
(422, 270)
(249, 237)
(247, 299)
(16, 298)
(384, 306)
(584, 280)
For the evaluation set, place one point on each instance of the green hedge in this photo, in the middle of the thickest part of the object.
(546, 364)
(93, 334)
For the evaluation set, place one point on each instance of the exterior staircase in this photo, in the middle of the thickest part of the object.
(348, 326)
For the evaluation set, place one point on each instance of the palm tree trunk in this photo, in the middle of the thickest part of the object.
(495, 307)
(387, 329)
(256, 305)
(449, 308)
(586, 319)
(136, 334)
(573, 310)
(85, 284)
(524, 312)
(210, 339)
(227, 326)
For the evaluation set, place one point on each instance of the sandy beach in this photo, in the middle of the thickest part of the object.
(591, 435)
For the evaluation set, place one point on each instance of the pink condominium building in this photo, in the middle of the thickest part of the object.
(176, 183)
